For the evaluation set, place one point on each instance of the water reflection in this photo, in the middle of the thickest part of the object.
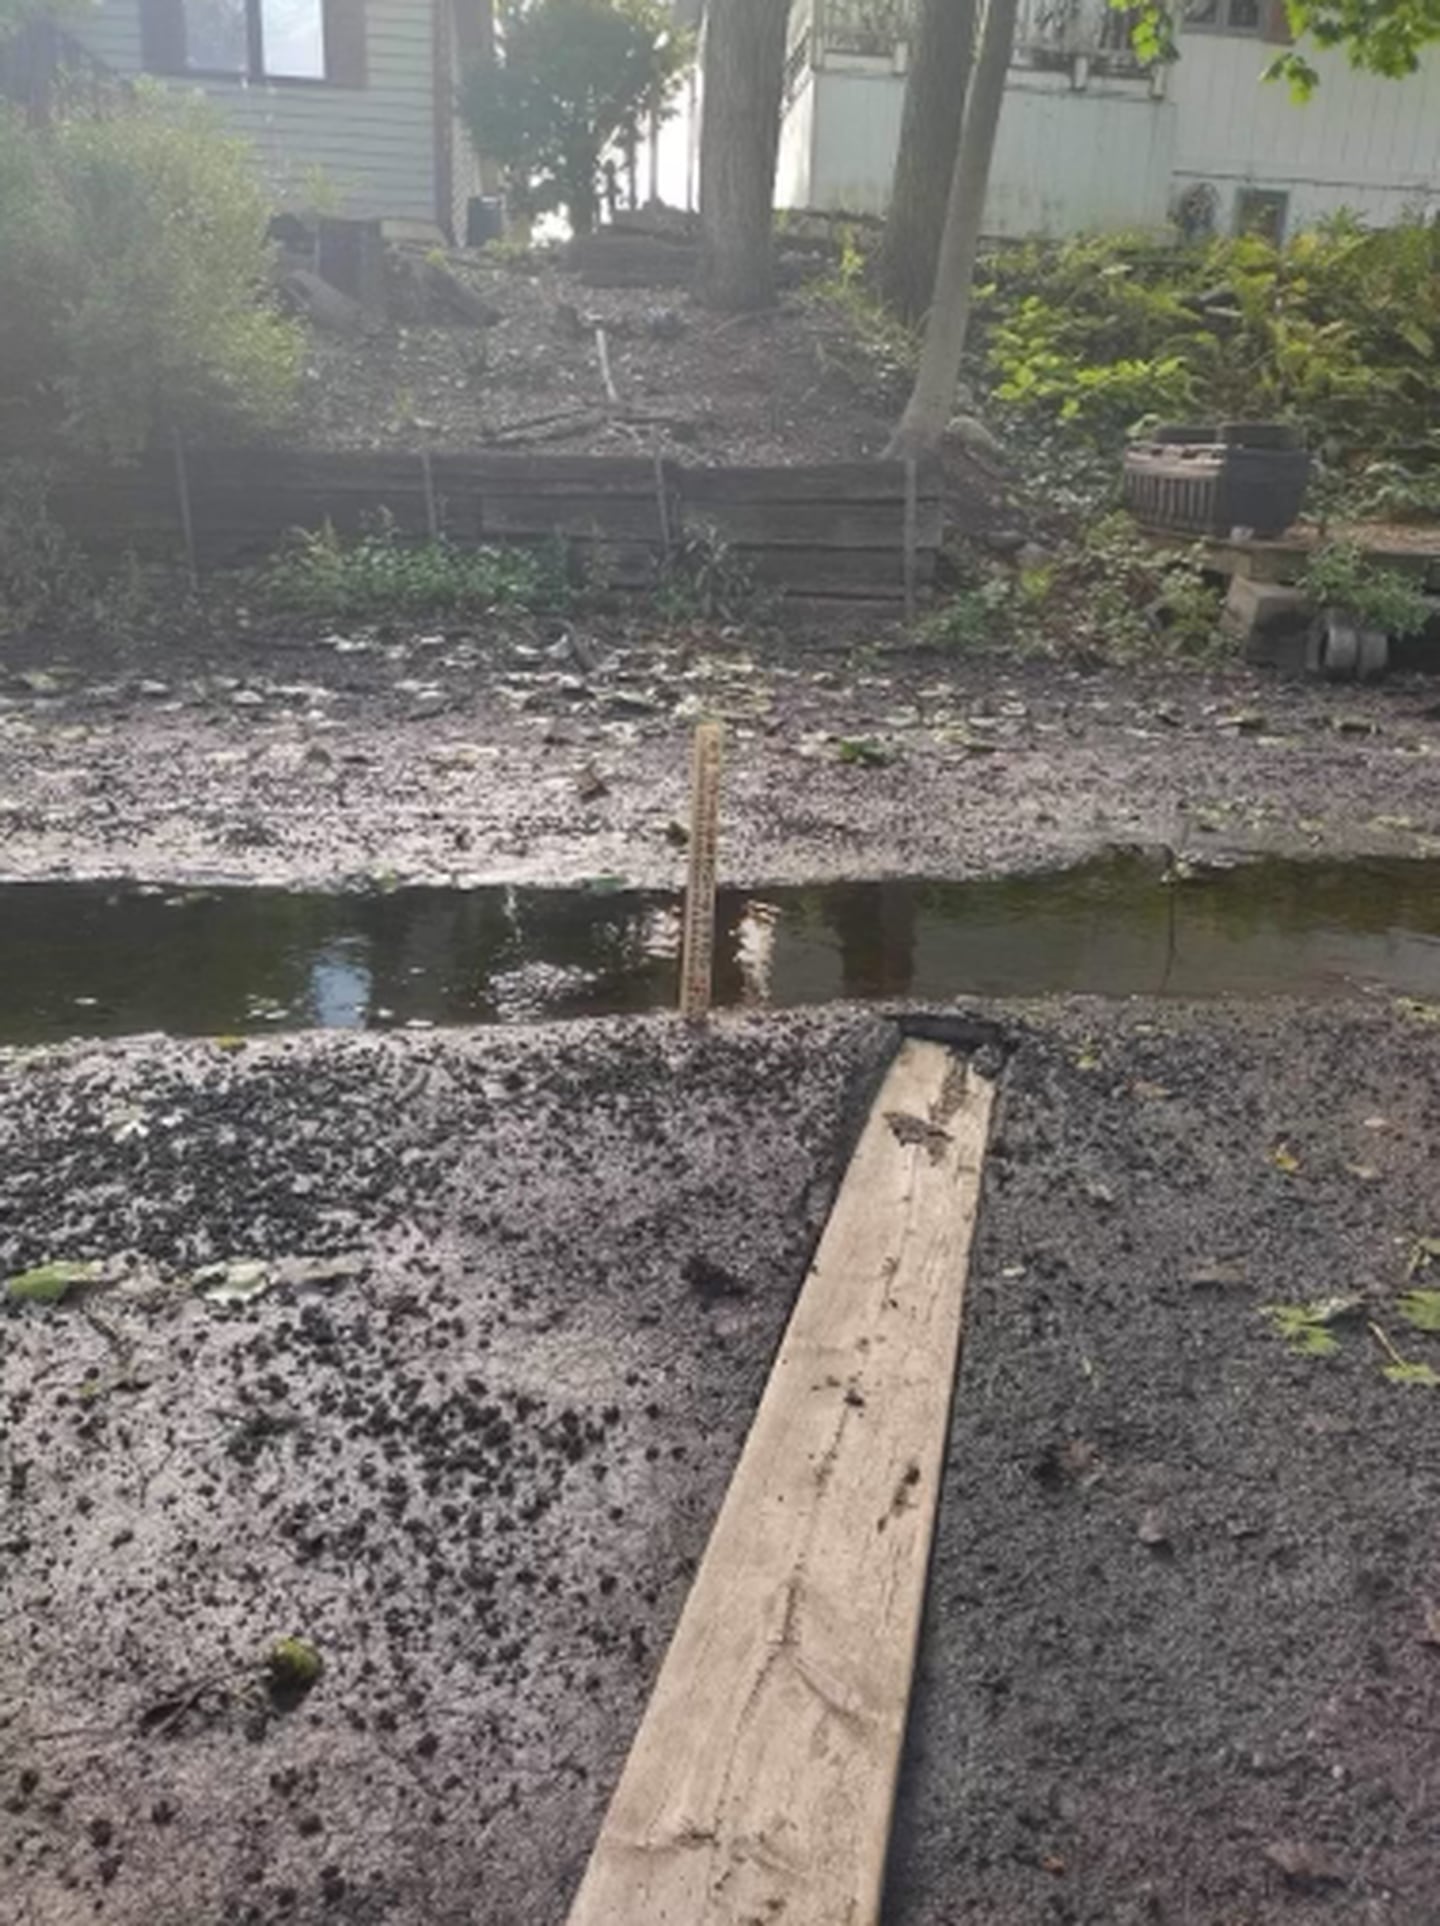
(88, 959)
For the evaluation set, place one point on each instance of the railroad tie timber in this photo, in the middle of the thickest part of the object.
(761, 1781)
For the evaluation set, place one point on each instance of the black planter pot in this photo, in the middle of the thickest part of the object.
(1242, 477)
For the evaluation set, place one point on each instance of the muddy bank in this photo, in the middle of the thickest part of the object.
(1180, 1658)
(556, 755)
(473, 1457)
(1175, 1636)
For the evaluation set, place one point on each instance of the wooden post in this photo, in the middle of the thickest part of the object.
(761, 1783)
(662, 505)
(912, 526)
(187, 515)
(602, 350)
(432, 519)
(697, 953)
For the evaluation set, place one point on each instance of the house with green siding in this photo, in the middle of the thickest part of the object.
(358, 94)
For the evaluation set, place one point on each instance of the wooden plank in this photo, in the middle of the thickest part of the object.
(820, 524)
(761, 1782)
(846, 481)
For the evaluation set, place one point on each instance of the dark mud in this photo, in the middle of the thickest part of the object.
(1175, 1634)
(475, 1468)
(552, 753)
(1175, 1664)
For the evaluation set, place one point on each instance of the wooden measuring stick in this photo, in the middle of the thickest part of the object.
(697, 951)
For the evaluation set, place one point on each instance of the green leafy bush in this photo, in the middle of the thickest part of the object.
(704, 579)
(1341, 576)
(41, 573)
(1338, 330)
(134, 278)
(382, 574)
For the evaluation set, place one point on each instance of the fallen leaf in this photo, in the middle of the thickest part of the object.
(49, 1283)
(1423, 1252)
(1284, 1158)
(866, 752)
(1215, 1277)
(319, 1270)
(1421, 1308)
(1304, 1864)
(233, 1282)
(1406, 1371)
(590, 785)
(1152, 1092)
(1364, 1173)
(1152, 1529)
(1304, 1327)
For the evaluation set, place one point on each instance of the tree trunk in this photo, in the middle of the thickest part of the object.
(942, 54)
(927, 413)
(744, 74)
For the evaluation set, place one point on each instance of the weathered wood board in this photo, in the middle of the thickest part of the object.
(833, 529)
(761, 1782)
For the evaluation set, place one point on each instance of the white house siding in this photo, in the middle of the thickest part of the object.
(1069, 159)
(795, 167)
(1113, 154)
(1066, 159)
(855, 131)
(373, 146)
(1363, 143)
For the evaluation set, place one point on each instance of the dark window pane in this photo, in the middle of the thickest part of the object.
(215, 36)
(293, 36)
(1244, 16)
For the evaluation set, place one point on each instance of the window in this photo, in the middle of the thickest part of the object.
(1223, 16)
(257, 39)
(1262, 211)
(266, 39)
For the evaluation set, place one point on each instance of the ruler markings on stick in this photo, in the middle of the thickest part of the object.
(697, 953)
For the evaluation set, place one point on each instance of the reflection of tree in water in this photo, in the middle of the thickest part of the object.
(875, 925)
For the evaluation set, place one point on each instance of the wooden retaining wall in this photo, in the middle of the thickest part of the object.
(845, 530)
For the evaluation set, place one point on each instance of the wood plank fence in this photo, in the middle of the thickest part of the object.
(868, 531)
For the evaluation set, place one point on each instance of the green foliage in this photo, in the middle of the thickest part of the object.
(1339, 576)
(571, 79)
(1403, 488)
(705, 580)
(382, 574)
(15, 13)
(970, 618)
(42, 575)
(48, 1283)
(876, 349)
(1422, 1309)
(1338, 330)
(133, 277)
(1306, 1327)
(1410, 1371)
(1383, 37)
(866, 752)
(1117, 596)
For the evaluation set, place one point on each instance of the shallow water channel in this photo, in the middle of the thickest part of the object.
(105, 959)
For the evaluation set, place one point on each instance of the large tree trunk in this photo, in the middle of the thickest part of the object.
(744, 74)
(927, 413)
(942, 54)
